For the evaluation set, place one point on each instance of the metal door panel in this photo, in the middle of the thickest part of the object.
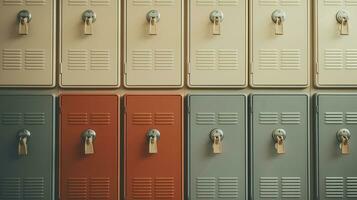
(27, 60)
(217, 176)
(285, 175)
(28, 176)
(280, 60)
(89, 176)
(335, 53)
(218, 60)
(160, 175)
(93, 57)
(153, 60)
(336, 172)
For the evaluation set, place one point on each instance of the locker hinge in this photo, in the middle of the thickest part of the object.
(124, 67)
(317, 67)
(60, 67)
(189, 67)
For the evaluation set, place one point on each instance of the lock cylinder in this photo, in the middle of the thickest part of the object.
(153, 136)
(24, 17)
(279, 136)
(216, 137)
(89, 136)
(23, 136)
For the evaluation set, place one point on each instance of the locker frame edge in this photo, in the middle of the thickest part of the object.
(183, 143)
(182, 50)
(60, 55)
(308, 52)
(188, 141)
(308, 128)
(59, 128)
(188, 56)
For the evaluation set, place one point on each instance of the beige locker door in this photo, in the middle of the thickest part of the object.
(90, 53)
(27, 57)
(218, 50)
(336, 50)
(280, 48)
(153, 59)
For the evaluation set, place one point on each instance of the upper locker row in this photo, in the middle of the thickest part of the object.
(89, 43)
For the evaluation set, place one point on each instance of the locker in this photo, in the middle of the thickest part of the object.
(280, 55)
(280, 147)
(90, 43)
(336, 46)
(153, 142)
(27, 149)
(153, 39)
(217, 143)
(217, 36)
(27, 43)
(336, 154)
(89, 147)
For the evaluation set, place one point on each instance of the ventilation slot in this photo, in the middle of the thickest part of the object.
(206, 187)
(142, 2)
(12, 2)
(34, 118)
(269, 2)
(11, 118)
(333, 2)
(290, 118)
(11, 59)
(351, 59)
(164, 118)
(205, 59)
(164, 2)
(164, 59)
(100, 2)
(290, 59)
(227, 118)
(227, 59)
(99, 60)
(77, 188)
(77, 118)
(164, 188)
(10, 188)
(228, 2)
(333, 117)
(142, 188)
(35, 59)
(206, 2)
(100, 118)
(142, 118)
(291, 187)
(34, 188)
(142, 59)
(205, 118)
(77, 59)
(228, 187)
(36, 2)
(268, 59)
(99, 188)
(77, 2)
(269, 187)
(351, 187)
(290, 2)
(351, 117)
(268, 118)
(333, 59)
(334, 187)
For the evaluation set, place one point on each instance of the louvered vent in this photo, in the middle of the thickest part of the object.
(334, 187)
(34, 188)
(291, 187)
(351, 187)
(77, 118)
(99, 188)
(268, 117)
(142, 188)
(290, 118)
(205, 118)
(100, 118)
(34, 118)
(11, 59)
(77, 188)
(10, 188)
(227, 118)
(12, 2)
(228, 187)
(351, 117)
(164, 118)
(205, 187)
(269, 187)
(142, 118)
(11, 118)
(333, 117)
(164, 188)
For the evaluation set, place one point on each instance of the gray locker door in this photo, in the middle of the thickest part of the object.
(153, 58)
(337, 173)
(280, 58)
(217, 175)
(90, 58)
(28, 176)
(280, 175)
(218, 59)
(336, 49)
(27, 58)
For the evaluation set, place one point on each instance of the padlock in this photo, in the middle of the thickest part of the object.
(279, 136)
(24, 17)
(216, 137)
(153, 136)
(344, 137)
(152, 17)
(23, 135)
(279, 17)
(88, 17)
(342, 18)
(216, 17)
(89, 136)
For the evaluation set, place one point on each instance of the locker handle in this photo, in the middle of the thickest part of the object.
(88, 17)
(24, 17)
(344, 137)
(216, 136)
(278, 17)
(153, 137)
(152, 17)
(342, 18)
(23, 136)
(216, 17)
(89, 136)
(279, 136)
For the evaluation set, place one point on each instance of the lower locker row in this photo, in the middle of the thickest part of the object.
(218, 157)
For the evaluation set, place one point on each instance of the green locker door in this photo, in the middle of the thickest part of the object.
(280, 147)
(336, 118)
(26, 124)
(217, 147)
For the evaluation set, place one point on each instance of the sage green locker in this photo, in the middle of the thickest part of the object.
(218, 41)
(217, 143)
(336, 44)
(336, 151)
(280, 43)
(89, 44)
(27, 43)
(279, 146)
(153, 42)
(27, 149)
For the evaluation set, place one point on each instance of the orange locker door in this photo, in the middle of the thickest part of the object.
(89, 147)
(153, 147)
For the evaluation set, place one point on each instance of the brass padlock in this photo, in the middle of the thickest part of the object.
(88, 17)
(152, 17)
(342, 18)
(216, 137)
(279, 136)
(88, 137)
(153, 136)
(24, 17)
(23, 135)
(344, 137)
(279, 17)
(216, 17)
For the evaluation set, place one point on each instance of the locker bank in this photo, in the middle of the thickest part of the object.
(178, 100)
